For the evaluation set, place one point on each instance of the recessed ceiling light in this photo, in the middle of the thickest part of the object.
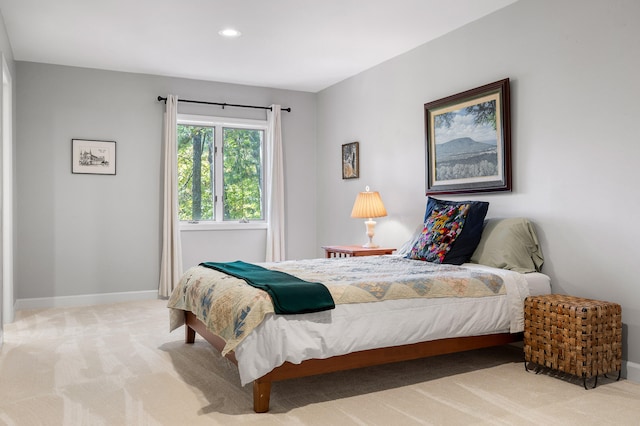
(230, 33)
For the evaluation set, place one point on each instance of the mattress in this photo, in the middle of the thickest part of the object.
(363, 326)
(538, 283)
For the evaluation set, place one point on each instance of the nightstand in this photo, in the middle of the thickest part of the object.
(348, 251)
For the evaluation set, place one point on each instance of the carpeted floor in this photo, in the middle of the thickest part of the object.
(118, 365)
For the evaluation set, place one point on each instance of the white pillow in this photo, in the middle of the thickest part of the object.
(406, 247)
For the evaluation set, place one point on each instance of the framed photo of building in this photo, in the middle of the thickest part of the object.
(350, 160)
(93, 157)
(468, 141)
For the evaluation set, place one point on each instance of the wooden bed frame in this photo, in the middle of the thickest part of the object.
(367, 358)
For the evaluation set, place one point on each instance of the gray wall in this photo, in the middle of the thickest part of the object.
(573, 66)
(94, 234)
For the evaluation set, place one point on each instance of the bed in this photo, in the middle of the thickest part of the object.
(388, 325)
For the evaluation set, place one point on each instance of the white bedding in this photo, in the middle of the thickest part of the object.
(356, 327)
(538, 283)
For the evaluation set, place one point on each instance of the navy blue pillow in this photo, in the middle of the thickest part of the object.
(466, 243)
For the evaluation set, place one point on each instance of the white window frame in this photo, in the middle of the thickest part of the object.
(219, 123)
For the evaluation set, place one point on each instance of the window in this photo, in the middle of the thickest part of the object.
(220, 169)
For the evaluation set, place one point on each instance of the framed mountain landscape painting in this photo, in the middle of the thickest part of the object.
(468, 141)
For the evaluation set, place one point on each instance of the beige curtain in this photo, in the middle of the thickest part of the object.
(171, 263)
(275, 187)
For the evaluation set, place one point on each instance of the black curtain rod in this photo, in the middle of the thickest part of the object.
(161, 99)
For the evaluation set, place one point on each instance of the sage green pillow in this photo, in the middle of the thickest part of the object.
(509, 243)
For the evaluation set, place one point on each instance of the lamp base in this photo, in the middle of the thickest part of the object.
(370, 225)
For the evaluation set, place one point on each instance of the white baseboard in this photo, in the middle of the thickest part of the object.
(84, 300)
(631, 371)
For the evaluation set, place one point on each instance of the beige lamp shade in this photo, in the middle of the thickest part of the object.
(369, 205)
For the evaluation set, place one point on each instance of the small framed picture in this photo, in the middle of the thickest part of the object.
(350, 160)
(93, 157)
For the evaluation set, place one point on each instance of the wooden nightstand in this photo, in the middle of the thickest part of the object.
(348, 251)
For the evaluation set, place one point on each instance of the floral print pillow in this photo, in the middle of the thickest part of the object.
(441, 229)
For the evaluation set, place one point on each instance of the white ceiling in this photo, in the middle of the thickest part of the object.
(302, 45)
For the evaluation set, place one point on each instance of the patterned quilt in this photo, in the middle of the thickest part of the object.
(231, 309)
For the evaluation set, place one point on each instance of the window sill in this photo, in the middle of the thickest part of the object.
(222, 226)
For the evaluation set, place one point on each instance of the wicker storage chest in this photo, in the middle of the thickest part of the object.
(578, 336)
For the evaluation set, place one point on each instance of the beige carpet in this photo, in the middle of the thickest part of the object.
(118, 365)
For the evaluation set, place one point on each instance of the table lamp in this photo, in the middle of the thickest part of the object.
(369, 205)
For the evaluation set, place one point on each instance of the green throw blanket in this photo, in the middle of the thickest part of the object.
(290, 295)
